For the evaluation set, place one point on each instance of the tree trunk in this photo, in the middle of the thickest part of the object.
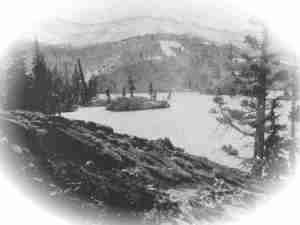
(261, 98)
(292, 155)
(260, 117)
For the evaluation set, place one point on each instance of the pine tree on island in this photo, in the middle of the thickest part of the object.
(124, 92)
(151, 90)
(131, 86)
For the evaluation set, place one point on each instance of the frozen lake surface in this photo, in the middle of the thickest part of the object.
(187, 123)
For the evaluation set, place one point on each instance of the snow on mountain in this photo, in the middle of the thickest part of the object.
(169, 46)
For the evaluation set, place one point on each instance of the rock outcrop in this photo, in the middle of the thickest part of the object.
(126, 172)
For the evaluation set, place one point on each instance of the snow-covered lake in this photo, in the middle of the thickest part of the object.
(187, 123)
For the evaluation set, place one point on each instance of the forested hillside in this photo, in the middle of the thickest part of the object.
(172, 61)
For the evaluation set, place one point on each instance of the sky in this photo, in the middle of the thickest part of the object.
(22, 16)
(220, 15)
(232, 15)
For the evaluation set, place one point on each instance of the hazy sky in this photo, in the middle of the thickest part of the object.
(216, 13)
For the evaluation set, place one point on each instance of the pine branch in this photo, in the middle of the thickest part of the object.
(225, 119)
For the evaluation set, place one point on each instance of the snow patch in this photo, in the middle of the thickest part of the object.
(149, 58)
(206, 43)
(169, 47)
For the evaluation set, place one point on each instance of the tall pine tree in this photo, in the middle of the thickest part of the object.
(256, 116)
(16, 84)
(42, 82)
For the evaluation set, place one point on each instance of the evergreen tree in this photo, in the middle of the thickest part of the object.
(107, 93)
(41, 81)
(276, 146)
(293, 96)
(255, 117)
(76, 87)
(57, 92)
(131, 86)
(92, 87)
(124, 92)
(189, 84)
(84, 92)
(67, 90)
(16, 84)
(43, 89)
(151, 90)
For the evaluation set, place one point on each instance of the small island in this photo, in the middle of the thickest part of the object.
(135, 103)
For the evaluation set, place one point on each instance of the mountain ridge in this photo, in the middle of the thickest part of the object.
(81, 34)
(169, 60)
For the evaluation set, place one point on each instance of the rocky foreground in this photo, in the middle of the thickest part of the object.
(96, 169)
(135, 103)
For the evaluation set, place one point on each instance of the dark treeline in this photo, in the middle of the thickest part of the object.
(44, 89)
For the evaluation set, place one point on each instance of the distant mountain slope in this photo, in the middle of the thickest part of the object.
(62, 31)
(170, 52)
(168, 60)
